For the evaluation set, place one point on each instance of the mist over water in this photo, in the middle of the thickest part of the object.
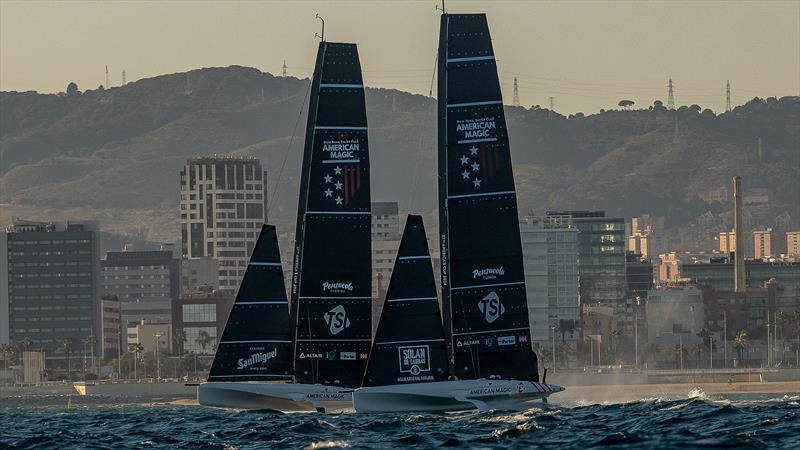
(754, 420)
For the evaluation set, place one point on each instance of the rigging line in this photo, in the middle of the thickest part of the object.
(288, 148)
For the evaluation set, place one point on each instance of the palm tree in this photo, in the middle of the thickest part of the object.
(740, 343)
(180, 340)
(67, 346)
(676, 352)
(698, 350)
(7, 350)
(135, 348)
(204, 339)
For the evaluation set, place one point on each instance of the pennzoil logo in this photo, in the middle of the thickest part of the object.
(488, 273)
(337, 320)
(337, 287)
(414, 359)
(491, 307)
(256, 358)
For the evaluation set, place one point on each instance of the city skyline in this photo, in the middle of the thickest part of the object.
(608, 51)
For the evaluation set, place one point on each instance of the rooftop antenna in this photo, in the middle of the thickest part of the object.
(516, 93)
(283, 69)
(321, 36)
(728, 96)
(108, 83)
(670, 96)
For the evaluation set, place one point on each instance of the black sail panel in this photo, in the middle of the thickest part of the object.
(332, 276)
(483, 281)
(409, 344)
(256, 344)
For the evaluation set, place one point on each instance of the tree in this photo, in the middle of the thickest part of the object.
(180, 341)
(625, 103)
(72, 90)
(68, 346)
(676, 351)
(698, 350)
(740, 343)
(204, 339)
(135, 349)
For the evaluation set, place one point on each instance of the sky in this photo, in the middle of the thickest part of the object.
(587, 55)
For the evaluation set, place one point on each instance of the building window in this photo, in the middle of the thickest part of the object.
(192, 335)
(200, 313)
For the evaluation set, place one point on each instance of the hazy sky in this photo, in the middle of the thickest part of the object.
(587, 55)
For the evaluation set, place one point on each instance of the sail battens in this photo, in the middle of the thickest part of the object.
(340, 161)
(482, 194)
(471, 58)
(506, 330)
(403, 258)
(341, 297)
(252, 376)
(481, 252)
(342, 213)
(409, 342)
(334, 340)
(267, 264)
(466, 104)
(341, 86)
(493, 285)
(277, 302)
(410, 299)
(339, 127)
(256, 342)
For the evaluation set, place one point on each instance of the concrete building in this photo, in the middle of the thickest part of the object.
(145, 282)
(727, 242)
(550, 252)
(112, 342)
(201, 311)
(646, 235)
(763, 243)
(201, 272)
(674, 310)
(718, 273)
(386, 236)
(50, 289)
(151, 334)
(793, 243)
(223, 205)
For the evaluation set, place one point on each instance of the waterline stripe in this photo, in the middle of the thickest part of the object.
(472, 141)
(491, 331)
(409, 342)
(487, 285)
(410, 299)
(484, 194)
(461, 105)
(345, 86)
(471, 58)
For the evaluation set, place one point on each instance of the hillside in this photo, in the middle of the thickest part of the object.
(114, 154)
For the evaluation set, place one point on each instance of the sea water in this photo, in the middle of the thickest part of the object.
(741, 421)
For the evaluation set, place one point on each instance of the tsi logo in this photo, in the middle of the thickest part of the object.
(414, 359)
(491, 307)
(337, 320)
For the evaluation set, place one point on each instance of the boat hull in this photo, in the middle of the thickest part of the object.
(284, 397)
(457, 395)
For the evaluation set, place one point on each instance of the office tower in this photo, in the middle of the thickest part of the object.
(727, 242)
(223, 205)
(793, 243)
(763, 243)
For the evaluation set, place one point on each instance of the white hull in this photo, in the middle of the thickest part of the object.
(285, 397)
(455, 395)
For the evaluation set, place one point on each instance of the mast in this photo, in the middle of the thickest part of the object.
(256, 344)
(331, 278)
(483, 280)
(409, 344)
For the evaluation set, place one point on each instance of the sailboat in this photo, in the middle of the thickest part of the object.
(487, 335)
(330, 321)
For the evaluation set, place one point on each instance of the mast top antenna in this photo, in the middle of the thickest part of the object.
(321, 36)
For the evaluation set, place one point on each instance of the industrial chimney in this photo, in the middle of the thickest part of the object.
(738, 264)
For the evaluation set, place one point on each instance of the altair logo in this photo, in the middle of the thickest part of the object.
(337, 320)
(337, 287)
(491, 307)
(256, 358)
(488, 273)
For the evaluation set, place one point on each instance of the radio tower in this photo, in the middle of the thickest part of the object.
(108, 83)
(515, 102)
(670, 97)
(728, 97)
(283, 69)
(124, 80)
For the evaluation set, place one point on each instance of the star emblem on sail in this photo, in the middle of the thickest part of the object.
(479, 164)
(342, 183)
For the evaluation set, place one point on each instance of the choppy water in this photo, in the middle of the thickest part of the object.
(746, 421)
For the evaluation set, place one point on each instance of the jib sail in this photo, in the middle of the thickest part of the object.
(332, 281)
(409, 345)
(483, 282)
(256, 344)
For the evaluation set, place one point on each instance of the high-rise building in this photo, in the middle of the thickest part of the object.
(601, 263)
(146, 283)
(223, 205)
(550, 255)
(385, 243)
(201, 314)
(763, 243)
(112, 343)
(727, 242)
(793, 243)
(50, 290)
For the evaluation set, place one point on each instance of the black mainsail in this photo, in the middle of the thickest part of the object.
(483, 280)
(332, 273)
(257, 342)
(409, 345)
